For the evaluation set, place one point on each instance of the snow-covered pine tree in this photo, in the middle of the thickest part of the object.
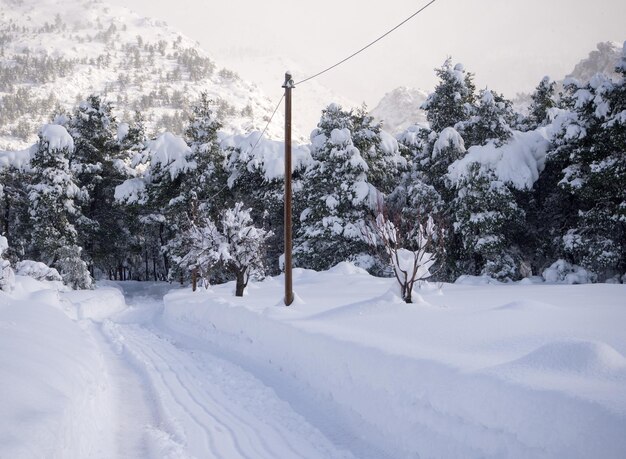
(542, 101)
(491, 120)
(486, 221)
(592, 148)
(96, 162)
(379, 150)
(251, 183)
(14, 209)
(202, 189)
(336, 197)
(448, 147)
(166, 206)
(54, 205)
(453, 99)
(206, 182)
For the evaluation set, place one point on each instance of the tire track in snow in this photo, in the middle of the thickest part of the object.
(211, 407)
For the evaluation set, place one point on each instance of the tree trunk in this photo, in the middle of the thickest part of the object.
(194, 279)
(241, 283)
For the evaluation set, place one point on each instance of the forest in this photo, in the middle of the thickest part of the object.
(505, 195)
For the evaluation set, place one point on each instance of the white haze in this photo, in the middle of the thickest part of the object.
(509, 45)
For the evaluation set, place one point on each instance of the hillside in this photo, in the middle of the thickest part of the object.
(55, 53)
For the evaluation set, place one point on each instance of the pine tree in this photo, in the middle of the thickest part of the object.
(379, 150)
(14, 210)
(486, 220)
(491, 121)
(453, 99)
(55, 203)
(98, 165)
(591, 147)
(542, 102)
(338, 198)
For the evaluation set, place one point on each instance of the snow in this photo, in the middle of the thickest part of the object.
(448, 138)
(472, 369)
(340, 137)
(131, 191)
(57, 137)
(268, 155)
(17, 159)
(170, 152)
(122, 131)
(518, 162)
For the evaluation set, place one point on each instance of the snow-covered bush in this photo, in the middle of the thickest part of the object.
(73, 269)
(563, 272)
(7, 276)
(37, 270)
(409, 266)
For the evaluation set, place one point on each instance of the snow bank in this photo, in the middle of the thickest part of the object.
(96, 305)
(53, 401)
(461, 374)
(517, 162)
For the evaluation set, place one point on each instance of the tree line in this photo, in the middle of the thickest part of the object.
(100, 199)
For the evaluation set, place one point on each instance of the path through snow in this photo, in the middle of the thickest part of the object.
(175, 401)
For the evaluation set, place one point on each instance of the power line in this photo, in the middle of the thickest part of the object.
(268, 123)
(368, 45)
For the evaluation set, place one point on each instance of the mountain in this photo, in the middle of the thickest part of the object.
(601, 60)
(54, 53)
(400, 108)
(308, 99)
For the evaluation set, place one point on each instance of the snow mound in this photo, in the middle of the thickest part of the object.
(563, 272)
(466, 279)
(574, 356)
(346, 268)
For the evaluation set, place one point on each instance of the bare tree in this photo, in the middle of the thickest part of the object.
(408, 248)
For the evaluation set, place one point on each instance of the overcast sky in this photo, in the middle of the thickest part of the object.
(509, 45)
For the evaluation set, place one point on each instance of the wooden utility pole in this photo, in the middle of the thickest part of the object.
(288, 236)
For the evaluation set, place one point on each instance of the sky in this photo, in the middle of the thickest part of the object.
(509, 46)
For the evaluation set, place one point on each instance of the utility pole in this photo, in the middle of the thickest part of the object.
(288, 85)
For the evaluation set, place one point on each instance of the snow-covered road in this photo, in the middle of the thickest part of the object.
(351, 371)
(174, 400)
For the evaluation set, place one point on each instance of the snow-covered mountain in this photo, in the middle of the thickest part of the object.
(54, 53)
(601, 60)
(308, 99)
(400, 108)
